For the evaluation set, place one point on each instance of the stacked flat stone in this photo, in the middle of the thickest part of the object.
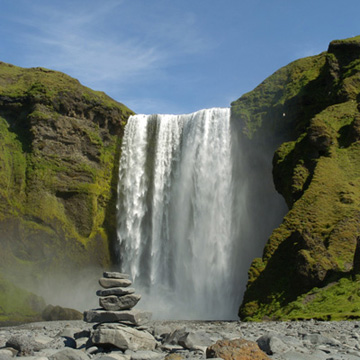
(117, 300)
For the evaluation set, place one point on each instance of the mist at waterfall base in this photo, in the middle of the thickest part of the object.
(192, 213)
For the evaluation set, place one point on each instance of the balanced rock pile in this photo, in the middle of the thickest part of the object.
(119, 324)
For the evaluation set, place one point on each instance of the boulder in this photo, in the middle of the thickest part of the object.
(272, 344)
(174, 336)
(123, 337)
(125, 302)
(25, 344)
(52, 313)
(111, 283)
(115, 291)
(69, 354)
(6, 352)
(195, 340)
(133, 317)
(237, 349)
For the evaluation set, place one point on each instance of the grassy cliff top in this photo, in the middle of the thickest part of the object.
(48, 85)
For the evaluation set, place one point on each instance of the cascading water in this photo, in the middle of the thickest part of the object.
(178, 215)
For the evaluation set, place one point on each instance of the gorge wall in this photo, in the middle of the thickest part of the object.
(308, 112)
(59, 156)
(59, 152)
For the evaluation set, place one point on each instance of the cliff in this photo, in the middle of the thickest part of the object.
(59, 150)
(309, 114)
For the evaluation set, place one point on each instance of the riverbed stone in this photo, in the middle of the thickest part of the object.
(123, 337)
(116, 291)
(8, 352)
(115, 275)
(112, 356)
(237, 349)
(195, 340)
(133, 317)
(69, 354)
(145, 355)
(125, 302)
(111, 283)
(25, 344)
(273, 344)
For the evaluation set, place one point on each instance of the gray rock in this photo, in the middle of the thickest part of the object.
(24, 343)
(123, 337)
(272, 344)
(82, 343)
(68, 332)
(60, 342)
(115, 275)
(146, 355)
(111, 283)
(195, 340)
(292, 355)
(161, 331)
(125, 302)
(7, 353)
(42, 339)
(317, 339)
(5, 357)
(134, 317)
(92, 350)
(173, 337)
(37, 357)
(112, 356)
(69, 354)
(115, 291)
(171, 348)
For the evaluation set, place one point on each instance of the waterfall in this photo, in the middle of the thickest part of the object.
(178, 236)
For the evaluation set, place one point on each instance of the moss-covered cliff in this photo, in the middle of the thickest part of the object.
(310, 111)
(59, 150)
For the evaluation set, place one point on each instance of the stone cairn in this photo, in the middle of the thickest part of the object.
(118, 324)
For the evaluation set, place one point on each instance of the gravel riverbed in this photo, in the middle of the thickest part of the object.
(60, 340)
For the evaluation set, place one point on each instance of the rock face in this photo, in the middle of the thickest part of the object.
(59, 150)
(309, 114)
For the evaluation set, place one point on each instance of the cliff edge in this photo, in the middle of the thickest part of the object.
(59, 151)
(309, 114)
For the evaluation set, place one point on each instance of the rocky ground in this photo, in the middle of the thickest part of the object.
(175, 340)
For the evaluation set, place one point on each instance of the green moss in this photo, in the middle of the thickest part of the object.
(337, 301)
(12, 171)
(317, 170)
(17, 304)
(60, 145)
(269, 107)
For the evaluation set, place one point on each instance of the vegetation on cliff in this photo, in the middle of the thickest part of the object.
(59, 150)
(310, 111)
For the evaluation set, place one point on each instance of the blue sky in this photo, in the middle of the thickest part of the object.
(171, 56)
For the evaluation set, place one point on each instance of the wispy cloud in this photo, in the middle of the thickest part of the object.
(90, 45)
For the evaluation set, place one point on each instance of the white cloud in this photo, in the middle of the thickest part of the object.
(81, 42)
